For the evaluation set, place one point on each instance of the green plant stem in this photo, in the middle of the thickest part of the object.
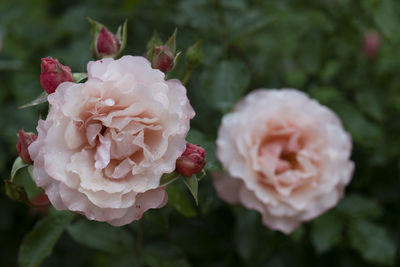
(186, 77)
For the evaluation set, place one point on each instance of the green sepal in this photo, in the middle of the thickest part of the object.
(122, 36)
(95, 31)
(79, 76)
(171, 43)
(152, 44)
(38, 100)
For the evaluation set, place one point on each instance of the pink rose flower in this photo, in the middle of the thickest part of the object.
(106, 143)
(285, 156)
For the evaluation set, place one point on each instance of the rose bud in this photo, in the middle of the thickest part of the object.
(108, 44)
(53, 74)
(372, 42)
(163, 59)
(24, 140)
(191, 161)
(194, 55)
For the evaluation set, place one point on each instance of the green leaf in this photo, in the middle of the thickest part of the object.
(358, 206)
(178, 197)
(17, 165)
(326, 231)
(225, 83)
(372, 242)
(101, 236)
(80, 76)
(193, 184)
(39, 243)
(39, 100)
(169, 178)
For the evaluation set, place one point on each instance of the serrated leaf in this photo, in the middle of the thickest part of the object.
(37, 101)
(373, 242)
(358, 206)
(17, 165)
(80, 76)
(101, 236)
(39, 243)
(179, 198)
(326, 231)
(225, 83)
(169, 178)
(193, 184)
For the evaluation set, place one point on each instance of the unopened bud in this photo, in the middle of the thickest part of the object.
(192, 160)
(194, 55)
(372, 42)
(163, 59)
(54, 73)
(107, 43)
(24, 141)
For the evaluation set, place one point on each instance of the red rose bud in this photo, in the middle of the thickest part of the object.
(54, 73)
(372, 42)
(107, 43)
(24, 141)
(163, 59)
(192, 160)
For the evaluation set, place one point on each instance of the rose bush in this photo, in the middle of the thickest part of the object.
(285, 156)
(106, 143)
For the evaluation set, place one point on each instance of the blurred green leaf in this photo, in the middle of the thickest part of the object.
(386, 18)
(358, 206)
(373, 242)
(38, 244)
(101, 236)
(179, 199)
(225, 83)
(326, 231)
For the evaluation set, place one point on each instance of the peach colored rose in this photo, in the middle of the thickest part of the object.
(285, 156)
(105, 143)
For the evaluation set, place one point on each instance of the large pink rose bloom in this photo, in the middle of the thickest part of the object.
(285, 156)
(105, 143)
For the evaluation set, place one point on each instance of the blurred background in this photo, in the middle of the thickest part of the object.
(344, 53)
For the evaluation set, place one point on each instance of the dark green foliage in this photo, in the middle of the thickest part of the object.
(313, 45)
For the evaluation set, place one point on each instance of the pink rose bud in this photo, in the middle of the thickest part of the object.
(54, 73)
(24, 140)
(372, 41)
(163, 59)
(192, 160)
(107, 43)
